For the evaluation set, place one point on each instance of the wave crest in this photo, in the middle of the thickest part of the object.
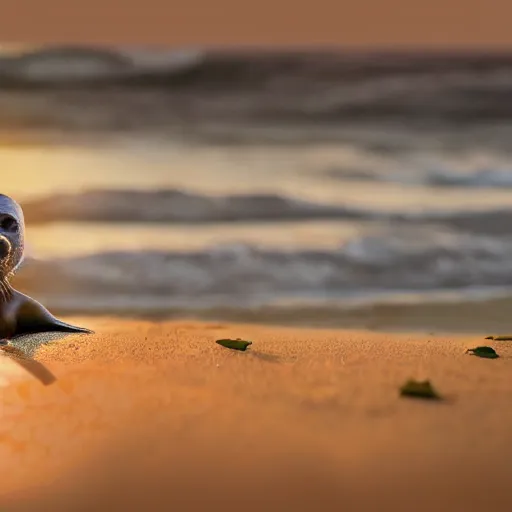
(398, 259)
(176, 206)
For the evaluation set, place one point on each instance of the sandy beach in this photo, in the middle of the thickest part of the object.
(157, 416)
(348, 212)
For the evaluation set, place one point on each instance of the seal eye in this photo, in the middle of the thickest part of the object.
(8, 224)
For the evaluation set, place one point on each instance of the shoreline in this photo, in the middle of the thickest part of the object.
(474, 317)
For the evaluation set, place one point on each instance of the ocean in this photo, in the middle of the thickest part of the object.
(256, 188)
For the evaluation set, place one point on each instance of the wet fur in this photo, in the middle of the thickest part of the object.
(19, 314)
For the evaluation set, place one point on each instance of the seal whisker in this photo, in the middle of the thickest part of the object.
(4, 291)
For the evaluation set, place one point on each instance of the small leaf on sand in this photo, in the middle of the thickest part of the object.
(419, 389)
(505, 337)
(486, 352)
(237, 344)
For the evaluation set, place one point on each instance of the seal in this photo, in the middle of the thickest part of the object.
(20, 315)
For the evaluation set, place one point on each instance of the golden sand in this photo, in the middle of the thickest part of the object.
(157, 416)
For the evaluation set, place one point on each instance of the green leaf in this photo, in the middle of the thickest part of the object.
(505, 337)
(237, 344)
(419, 389)
(486, 352)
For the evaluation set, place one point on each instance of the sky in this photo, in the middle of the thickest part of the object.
(363, 23)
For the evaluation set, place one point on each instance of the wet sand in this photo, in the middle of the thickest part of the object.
(156, 416)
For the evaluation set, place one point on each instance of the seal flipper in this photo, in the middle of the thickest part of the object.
(55, 325)
(32, 318)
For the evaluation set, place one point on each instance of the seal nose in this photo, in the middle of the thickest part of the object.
(5, 247)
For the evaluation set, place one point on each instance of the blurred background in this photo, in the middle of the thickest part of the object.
(320, 185)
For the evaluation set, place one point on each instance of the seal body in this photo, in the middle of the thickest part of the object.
(19, 314)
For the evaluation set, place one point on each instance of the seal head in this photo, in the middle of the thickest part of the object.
(12, 235)
(19, 314)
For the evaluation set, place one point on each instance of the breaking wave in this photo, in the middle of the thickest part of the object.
(389, 261)
(484, 178)
(175, 206)
(305, 88)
